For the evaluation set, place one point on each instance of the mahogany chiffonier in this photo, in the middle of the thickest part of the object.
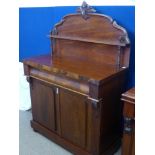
(76, 90)
(128, 145)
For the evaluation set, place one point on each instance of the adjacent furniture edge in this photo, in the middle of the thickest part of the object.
(129, 96)
(128, 145)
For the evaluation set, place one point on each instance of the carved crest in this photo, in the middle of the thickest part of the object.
(84, 9)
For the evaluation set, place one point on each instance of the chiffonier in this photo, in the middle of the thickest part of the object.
(76, 89)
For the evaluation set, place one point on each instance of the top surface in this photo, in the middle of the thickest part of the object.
(77, 68)
(129, 95)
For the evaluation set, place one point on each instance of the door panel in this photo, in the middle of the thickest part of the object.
(73, 115)
(43, 104)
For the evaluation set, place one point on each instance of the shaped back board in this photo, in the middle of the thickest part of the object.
(91, 37)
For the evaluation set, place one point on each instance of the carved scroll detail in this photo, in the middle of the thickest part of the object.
(84, 9)
(54, 32)
(28, 78)
(123, 39)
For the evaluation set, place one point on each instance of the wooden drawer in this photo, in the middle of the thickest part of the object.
(63, 82)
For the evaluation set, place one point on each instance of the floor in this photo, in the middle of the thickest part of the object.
(32, 143)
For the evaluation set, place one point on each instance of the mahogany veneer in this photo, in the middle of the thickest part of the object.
(76, 90)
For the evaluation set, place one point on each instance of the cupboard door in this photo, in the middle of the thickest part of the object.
(43, 100)
(73, 115)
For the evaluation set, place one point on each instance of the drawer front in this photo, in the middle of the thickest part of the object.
(60, 81)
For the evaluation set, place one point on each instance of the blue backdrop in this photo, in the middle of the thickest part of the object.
(36, 23)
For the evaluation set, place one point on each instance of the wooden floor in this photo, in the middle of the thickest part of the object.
(32, 143)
